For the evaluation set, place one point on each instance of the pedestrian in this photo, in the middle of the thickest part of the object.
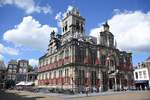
(86, 91)
(94, 89)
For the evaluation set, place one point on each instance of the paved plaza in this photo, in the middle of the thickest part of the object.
(24, 95)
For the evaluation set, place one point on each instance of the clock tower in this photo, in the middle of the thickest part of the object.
(72, 26)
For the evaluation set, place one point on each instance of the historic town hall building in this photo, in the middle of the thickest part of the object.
(75, 61)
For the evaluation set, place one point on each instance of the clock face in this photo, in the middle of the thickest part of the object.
(106, 28)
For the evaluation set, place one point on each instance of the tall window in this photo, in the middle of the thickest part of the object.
(103, 58)
(67, 53)
(61, 55)
(82, 29)
(54, 74)
(140, 74)
(42, 76)
(111, 63)
(66, 26)
(66, 72)
(56, 58)
(50, 50)
(82, 54)
(46, 61)
(60, 73)
(136, 75)
(144, 74)
(93, 78)
(79, 77)
(50, 60)
(45, 75)
(66, 75)
(77, 25)
(49, 75)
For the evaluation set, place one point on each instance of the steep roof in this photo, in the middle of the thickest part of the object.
(148, 59)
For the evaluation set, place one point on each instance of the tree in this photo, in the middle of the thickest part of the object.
(30, 68)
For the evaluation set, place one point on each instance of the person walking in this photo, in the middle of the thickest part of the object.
(86, 90)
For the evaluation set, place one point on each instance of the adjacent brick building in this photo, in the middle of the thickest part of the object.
(2, 74)
(22, 70)
(12, 70)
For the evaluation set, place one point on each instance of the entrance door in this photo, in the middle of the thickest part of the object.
(111, 83)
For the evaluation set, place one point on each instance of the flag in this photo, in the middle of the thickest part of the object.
(97, 62)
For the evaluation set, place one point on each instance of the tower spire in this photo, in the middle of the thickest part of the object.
(52, 35)
(106, 26)
(115, 43)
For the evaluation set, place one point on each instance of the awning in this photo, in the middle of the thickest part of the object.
(29, 83)
(20, 83)
(141, 81)
(23, 83)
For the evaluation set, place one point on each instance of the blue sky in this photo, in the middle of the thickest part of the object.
(43, 12)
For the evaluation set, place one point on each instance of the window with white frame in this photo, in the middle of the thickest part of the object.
(66, 72)
(42, 76)
(140, 74)
(60, 73)
(144, 74)
(54, 74)
(50, 75)
(45, 75)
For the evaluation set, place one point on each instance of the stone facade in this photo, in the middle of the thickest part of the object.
(75, 61)
(22, 70)
(17, 70)
(12, 70)
(2, 74)
(141, 78)
(142, 75)
(147, 65)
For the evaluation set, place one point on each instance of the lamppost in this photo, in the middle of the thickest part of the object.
(120, 81)
(71, 76)
(99, 78)
(116, 73)
(62, 84)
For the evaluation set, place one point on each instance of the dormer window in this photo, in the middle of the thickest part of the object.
(66, 26)
(77, 25)
(63, 29)
(81, 28)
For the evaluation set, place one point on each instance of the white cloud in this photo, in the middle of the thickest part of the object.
(1, 57)
(68, 9)
(131, 30)
(95, 32)
(28, 5)
(33, 62)
(30, 33)
(8, 50)
(59, 16)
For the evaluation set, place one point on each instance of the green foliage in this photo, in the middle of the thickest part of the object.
(30, 68)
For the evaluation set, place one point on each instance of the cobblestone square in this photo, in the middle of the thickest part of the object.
(24, 95)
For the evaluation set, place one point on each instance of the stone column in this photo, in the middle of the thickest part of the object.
(115, 83)
(120, 83)
(100, 77)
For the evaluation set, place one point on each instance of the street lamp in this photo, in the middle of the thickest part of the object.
(116, 79)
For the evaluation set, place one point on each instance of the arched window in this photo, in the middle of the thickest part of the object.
(50, 75)
(66, 52)
(66, 26)
(103, 59)
(61, 55)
